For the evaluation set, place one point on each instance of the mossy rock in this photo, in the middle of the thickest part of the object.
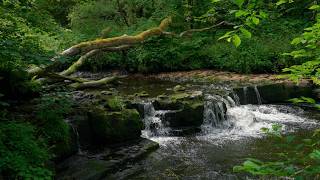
(115, 127)
(177, 100)
(179, 88)
(190, 115)
(114, 103)
(141, 94)
(64, 149)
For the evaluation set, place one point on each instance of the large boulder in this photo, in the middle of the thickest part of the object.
(115, 127)
(190, 114)
(177, 101)
(98, 126)
(184, 109)
(68, 147)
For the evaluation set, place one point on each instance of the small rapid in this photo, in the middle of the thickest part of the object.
(152, 122)
(229, 133)
(224, 119)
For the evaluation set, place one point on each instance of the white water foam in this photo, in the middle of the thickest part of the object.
(225, 120)
(248, 120)
(152, 122)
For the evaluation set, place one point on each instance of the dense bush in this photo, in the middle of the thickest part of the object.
(24, 144)
(22, 153)
(50, 113)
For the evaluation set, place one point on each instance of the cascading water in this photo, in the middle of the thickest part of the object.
(229, 132)
(245, 120)
(152, 122)
(75, 131)
(214, 114)
(258, 95)
(245, 94)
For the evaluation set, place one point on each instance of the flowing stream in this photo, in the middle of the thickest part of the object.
(230, 132)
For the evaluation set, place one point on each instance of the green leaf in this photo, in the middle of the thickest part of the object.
(226, 35)
(240, 13)
(255, 20)
(236, 40)
(239, 3)
(314, 7)
(215, 1)
(263, 14)
(315, 155)
(246, 33)
(281, 2)
(296, 41)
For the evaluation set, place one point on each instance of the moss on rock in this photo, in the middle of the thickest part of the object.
(186, 109)
(115, 103)
(115, 127)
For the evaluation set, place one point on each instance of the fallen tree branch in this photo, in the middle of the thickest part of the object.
(91, 48)
(85, 47)
(94, 83)
(75, 66)
(63, 77)
(41, 72)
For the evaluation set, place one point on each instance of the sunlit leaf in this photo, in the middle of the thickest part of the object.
(255, 20)
(315, 7)
(245, 32)
(236, 40)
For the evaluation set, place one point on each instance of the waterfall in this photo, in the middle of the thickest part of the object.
(258, 95)
(232, 102)
(76, 133)
(245, 94)
(153, 123)
(214, 113)
(235, 98)
(79, 151)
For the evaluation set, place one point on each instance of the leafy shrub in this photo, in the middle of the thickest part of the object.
(297, 158)
(22, 154)
(50, 118)
(168, 54)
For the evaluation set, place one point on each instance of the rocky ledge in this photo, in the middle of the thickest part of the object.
(102, 164)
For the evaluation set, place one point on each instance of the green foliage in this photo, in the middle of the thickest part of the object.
(28, 35)
(26, 147)
(120, 16)
(305, 100)
(168, 54)
(261, 53)
(308, 48)
(22, 154)
(50, 118)
(297, 158)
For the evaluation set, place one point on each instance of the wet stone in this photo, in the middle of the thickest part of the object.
(84, 167)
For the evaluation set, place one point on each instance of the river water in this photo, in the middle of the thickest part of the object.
(225, 139)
